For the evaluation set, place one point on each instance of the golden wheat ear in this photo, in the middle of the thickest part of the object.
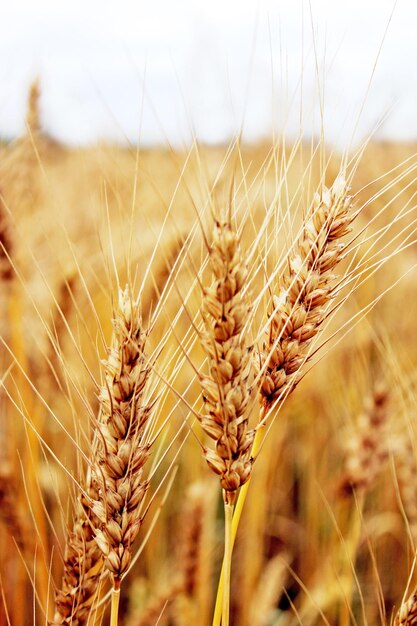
(225, 389)
(109, 516)
(305, 292)
(121, 447)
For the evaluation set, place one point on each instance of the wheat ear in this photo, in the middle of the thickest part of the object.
(121, 445)
(305, 291)
(107, 518)
(225, 389)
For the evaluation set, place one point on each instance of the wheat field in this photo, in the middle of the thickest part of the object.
(206, 357)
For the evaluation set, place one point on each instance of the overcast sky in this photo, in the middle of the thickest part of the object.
(171, 70)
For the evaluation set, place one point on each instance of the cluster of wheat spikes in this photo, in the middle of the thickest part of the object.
(109, 511)
(204, 351)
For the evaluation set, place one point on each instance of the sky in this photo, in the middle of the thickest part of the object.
(170, 71)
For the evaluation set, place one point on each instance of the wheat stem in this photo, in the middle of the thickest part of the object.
(227, 561)
(237, 514)
(115, 598)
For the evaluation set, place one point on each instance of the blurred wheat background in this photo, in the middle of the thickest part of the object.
(328, 531)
